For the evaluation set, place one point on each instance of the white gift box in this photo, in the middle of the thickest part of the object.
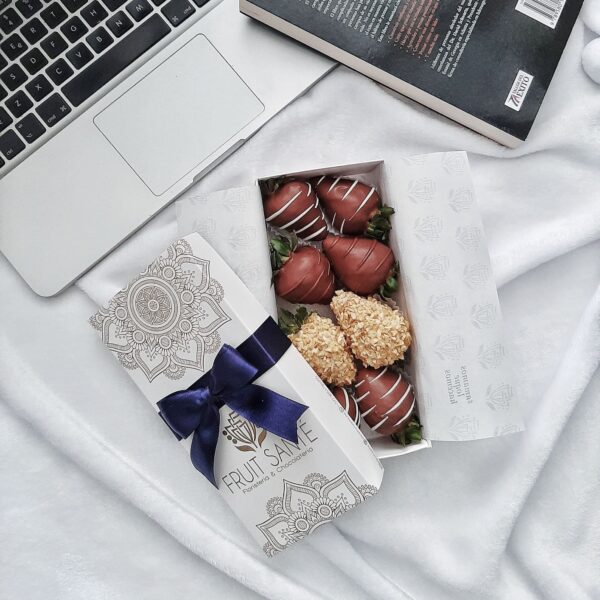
(166, 328)
(459, 364)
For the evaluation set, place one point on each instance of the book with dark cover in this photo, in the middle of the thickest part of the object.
(484, 63)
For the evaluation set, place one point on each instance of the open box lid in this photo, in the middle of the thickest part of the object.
(459, 363)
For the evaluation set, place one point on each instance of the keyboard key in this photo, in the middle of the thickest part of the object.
(13, 46)
(11, 144)
(3, 93)
(9, 20)
(54, 45)
(158, 2)
(2, 163)
(59, 72)
(5, 119)
(94, 13)
(39, 88)
(177, 11)
(13, 77)
(3, 62)
(53, 110)
(19, 104)
(73, 5)
(201, 3)
(138, 9)
(112, 5)
(110, 64)
(99, 40)
(54, 15)
(119, 23)
(33, 61)
(28, 8)
(34, 31)
(30, 128)
(79, 55)
(4, 3)
(74, 29)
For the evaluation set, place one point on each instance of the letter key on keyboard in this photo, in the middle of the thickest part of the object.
(110, 64)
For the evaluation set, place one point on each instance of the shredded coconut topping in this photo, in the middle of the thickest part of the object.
(378, 334)
(324, 347)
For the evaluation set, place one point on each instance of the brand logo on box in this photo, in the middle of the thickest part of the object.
(243, 434)
(268, 458)
(519, 90)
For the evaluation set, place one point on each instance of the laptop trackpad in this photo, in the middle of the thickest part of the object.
(179, 114)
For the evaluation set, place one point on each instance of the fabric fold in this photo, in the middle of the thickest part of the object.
(484, 521)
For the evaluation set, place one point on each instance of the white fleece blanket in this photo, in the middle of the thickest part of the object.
(96, 495)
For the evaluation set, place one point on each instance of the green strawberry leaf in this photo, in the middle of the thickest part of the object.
(390, 286)
(290, 322)
(411, 434)
(379, 226)
(280, 248)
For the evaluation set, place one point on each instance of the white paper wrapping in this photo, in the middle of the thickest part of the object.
(232, 222)
(460, 364)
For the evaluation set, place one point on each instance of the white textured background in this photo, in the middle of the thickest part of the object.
(97, 502)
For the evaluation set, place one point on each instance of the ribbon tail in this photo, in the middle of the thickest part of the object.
(204, 443)
(268, 410)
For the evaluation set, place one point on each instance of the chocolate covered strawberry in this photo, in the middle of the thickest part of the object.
(293, 206)
(378, 334)
(362, 265)
(354, 207)
(348, 403)
(321, 343)
(386, 400)
(302, 275)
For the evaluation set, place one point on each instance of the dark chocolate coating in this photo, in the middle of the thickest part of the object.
(349, 204)
(361, 264)
(386, 400)
(294, 207)
(305, 278)
(348, 403)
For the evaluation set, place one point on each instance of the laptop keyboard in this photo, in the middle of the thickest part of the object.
(55, 54)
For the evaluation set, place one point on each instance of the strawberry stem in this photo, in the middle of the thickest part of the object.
(390, 286)
(412, 434)
(270, 186)
(281, 248)
(379, 226)
(290, 322)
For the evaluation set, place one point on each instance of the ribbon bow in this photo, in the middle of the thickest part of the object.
(195, 411)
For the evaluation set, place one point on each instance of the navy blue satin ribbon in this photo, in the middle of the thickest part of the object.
(195, 411)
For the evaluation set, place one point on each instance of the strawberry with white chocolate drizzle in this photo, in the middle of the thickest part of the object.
(354, 207)
(321, 343)
(301, 274)
(363, 266)
(293, 206)
(348, 403)
(385, 399)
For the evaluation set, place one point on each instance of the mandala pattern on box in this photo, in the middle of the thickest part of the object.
(167, 319)
(306, 506)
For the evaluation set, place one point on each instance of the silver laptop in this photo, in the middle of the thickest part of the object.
(109, 109)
